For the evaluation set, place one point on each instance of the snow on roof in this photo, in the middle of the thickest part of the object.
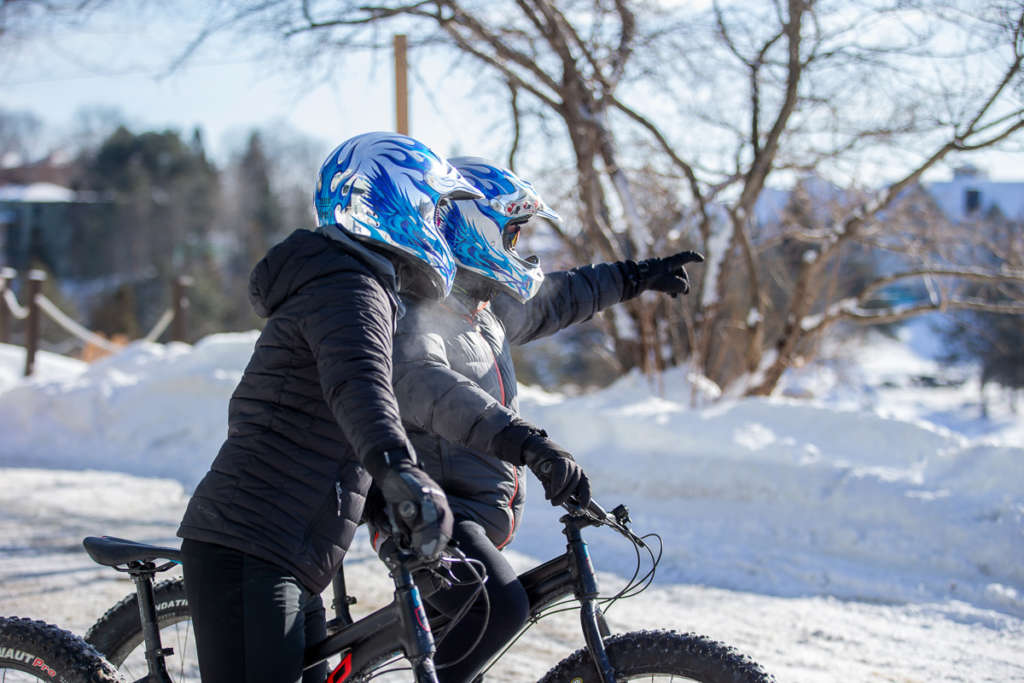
(36, 192)
(11, 160)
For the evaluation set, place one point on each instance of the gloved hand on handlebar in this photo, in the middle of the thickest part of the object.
(658, 274)
(416, 506)
(520, 443)
(560, 475)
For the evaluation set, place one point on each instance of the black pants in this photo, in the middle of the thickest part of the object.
(252, 619)
(509, 609)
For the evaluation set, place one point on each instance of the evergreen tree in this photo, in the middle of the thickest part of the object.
(260, 209)
(994, 342)
(163, 197)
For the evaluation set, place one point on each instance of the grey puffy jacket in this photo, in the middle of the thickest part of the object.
(288, 485)
(456, 385)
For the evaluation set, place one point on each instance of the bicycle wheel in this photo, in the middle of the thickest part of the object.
(34, 650)
(118, 633)
(662, 655)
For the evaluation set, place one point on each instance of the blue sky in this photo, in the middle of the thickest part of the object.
(124, 65)
(121, 62)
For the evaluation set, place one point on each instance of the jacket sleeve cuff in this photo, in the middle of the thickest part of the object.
(634, 278)
(379, 463)
(509, 442)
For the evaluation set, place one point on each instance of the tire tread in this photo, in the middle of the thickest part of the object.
(665, 652)
(74, 660)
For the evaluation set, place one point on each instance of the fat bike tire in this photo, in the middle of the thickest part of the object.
(662, 655)
(118, 633)
(32, 649)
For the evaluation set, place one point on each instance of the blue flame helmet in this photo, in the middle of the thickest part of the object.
(483, 233)
(390, 190)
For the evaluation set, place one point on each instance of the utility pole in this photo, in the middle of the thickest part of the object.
(401, 85)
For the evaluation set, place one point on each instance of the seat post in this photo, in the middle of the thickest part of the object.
(142, 574)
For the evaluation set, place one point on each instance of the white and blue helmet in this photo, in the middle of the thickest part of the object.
(483, 233)
(390, 190)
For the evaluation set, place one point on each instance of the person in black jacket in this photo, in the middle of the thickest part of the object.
(314, 417)
(456, 388)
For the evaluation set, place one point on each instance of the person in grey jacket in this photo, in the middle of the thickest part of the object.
(456, 388)
(314, 417)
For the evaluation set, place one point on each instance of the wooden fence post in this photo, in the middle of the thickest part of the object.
(6, 275)
(179, 304)
(35, 284)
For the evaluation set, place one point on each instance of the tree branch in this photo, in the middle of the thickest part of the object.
(972, 274)
(511, 76)
(850, 309)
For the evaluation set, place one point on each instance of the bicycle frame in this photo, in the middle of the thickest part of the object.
(571, 573)
(399, 628)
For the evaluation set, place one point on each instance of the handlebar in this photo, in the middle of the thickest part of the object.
(592, 510)
(617, 519)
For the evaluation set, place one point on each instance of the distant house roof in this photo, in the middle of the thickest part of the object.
(972, 193)
(57, 168)
(39, 193)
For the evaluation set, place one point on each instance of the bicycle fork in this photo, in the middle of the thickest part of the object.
(591, 618)
(419, 640)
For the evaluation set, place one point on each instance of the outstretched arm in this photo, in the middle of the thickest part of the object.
(565, 298)
(573, 296)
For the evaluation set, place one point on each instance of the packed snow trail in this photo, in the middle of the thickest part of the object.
(875, 532)
(45, 574)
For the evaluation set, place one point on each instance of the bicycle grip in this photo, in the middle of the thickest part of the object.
(592, 509)
(596, 510)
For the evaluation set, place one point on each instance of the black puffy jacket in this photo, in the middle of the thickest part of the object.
(316, 398)
(456, 385)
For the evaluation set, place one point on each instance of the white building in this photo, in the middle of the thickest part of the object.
(971, 194)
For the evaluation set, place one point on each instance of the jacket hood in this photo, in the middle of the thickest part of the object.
(303, 257)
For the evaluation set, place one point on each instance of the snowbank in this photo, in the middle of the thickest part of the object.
(48, 366)
(151, 409)
(776, 496)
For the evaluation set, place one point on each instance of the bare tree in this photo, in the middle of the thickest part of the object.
(24, 19)
(18, 131)
(675, 124)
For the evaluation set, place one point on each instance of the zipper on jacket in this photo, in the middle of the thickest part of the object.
(337, 493)
(511, 509)
(471, 318)
(501, 383)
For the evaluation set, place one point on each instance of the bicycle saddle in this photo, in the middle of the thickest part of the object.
(110, 551)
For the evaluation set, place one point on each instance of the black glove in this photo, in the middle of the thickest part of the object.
(415, 504)
(659, 274)
(559, 474)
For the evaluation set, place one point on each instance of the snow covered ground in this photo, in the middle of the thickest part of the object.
(872, 529)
